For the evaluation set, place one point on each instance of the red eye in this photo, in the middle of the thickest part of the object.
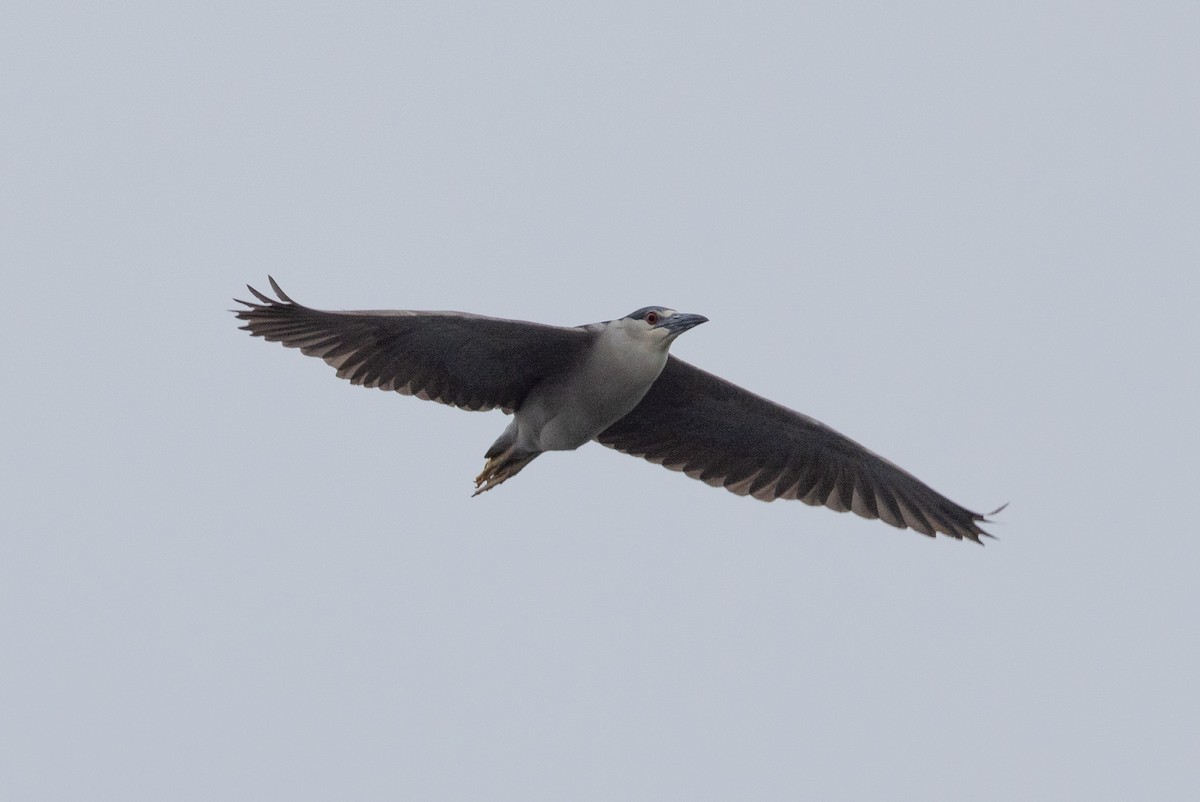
(652, 318)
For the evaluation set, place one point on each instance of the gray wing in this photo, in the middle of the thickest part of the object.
(715, 431)
(464, 360)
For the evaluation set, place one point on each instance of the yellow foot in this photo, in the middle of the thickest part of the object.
(498, 468)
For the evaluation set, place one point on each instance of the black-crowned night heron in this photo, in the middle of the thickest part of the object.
(612, 382)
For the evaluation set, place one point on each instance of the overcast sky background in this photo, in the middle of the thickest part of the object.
(966, 235)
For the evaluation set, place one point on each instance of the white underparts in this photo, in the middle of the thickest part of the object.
(564, 412)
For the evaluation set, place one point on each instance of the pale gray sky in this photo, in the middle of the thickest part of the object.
(967, 236)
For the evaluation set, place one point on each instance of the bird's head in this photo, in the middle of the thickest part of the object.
(660, 324)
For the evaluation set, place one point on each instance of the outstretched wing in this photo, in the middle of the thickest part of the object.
(714, 431)
(468, 361)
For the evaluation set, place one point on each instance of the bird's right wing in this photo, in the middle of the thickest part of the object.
(464, 360)
(721, 434)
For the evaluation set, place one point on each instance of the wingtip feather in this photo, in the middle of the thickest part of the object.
(259, 296)
(283, 296)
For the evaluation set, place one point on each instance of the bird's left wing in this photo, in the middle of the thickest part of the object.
(468, 361)
(721, 434)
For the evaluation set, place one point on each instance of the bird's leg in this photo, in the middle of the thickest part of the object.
(502, 466)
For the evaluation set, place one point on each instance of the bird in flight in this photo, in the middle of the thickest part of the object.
(613, 382)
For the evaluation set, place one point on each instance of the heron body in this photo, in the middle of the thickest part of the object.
(613, 382)
(564, 411)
